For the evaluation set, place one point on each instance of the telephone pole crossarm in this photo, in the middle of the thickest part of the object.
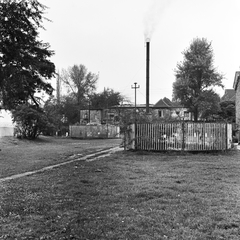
(135, 87)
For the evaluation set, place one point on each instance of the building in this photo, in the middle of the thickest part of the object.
(229, 96)
(236, 87)
(165, 109)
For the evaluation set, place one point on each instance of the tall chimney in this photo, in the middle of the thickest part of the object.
(147, 74)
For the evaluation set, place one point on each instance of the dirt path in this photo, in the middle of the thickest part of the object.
(20, 156)
(74, 158)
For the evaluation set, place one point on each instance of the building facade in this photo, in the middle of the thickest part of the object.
(236, 86)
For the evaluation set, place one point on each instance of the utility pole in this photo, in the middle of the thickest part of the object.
(58, 88)
(135, 108)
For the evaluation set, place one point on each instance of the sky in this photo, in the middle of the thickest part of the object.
(108, 37)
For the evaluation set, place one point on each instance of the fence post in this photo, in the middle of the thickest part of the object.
(183, 136)
(226, 134)
(133, 137)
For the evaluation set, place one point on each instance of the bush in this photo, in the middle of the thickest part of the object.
(30, 121)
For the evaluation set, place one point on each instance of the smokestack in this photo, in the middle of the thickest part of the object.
(147, 74)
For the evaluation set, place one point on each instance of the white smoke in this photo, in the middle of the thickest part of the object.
(153, 16)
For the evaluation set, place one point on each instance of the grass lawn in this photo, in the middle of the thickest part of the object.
(128, 195)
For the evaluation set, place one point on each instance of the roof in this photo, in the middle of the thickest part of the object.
(166, 103)
(236, 80)
(229, 95)
(130, 106)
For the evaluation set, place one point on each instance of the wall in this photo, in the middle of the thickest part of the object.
(91, 131)
(95, 116)
(6, 125)
(238, 108)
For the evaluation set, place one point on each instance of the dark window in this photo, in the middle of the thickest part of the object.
(186, 114)
(160, 113)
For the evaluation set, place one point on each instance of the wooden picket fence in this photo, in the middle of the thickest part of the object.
(180, 136)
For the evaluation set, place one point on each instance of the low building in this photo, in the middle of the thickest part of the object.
(163, 110)
(167, 109)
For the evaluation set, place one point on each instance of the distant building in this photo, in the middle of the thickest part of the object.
(236, 86)
(165, 108)
(229, 96)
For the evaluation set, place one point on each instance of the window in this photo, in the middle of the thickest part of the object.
(160, 113)
(186, 115)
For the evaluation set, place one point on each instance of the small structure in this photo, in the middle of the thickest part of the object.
(165, 108)
(91, 116)
(6, 125)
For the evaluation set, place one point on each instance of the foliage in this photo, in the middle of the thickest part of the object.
(227, 111)
(196, 77)
(71, 110)
(80, 83)
(54, 113)
(24, 60)
(106, 99)
(30, 121)
(209, 106)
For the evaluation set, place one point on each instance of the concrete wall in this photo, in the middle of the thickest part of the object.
(91, 131)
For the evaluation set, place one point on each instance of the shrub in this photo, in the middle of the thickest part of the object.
(30, 121)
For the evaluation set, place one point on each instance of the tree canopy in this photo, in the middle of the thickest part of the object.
(24, 58)
(80, 82)
(106, 99)
(196, 78)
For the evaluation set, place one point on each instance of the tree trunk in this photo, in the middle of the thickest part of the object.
(195, 115)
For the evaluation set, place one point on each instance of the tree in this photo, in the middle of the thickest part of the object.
(24, 59)
(54, 112)
(227, 111)
(106, 99)
(81, 83)
(71, 110)
(30, 121)
(210, 107)
(196, 77)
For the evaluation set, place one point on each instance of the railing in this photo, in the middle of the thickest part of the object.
(185, 136)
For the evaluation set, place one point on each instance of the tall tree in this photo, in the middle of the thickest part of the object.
(24, 58)
(80, 82)
(196, 77)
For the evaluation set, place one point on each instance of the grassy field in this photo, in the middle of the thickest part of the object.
(127, 195)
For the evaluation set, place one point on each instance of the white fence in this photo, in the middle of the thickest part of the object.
(187, 136)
